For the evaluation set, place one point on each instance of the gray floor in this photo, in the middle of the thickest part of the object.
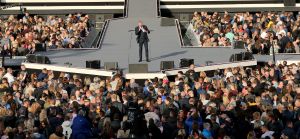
(119, 44)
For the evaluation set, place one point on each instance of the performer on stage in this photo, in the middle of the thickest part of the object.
(142, 32)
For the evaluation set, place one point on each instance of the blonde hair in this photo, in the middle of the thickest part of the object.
(34, 108)
(43, 115)
(102, 83)
(3, 112)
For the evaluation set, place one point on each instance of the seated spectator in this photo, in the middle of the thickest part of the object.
(258, 31)
(19, 36)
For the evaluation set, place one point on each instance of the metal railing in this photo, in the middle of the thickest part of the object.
(125, 11)
(101, 37)
(158, 8)
(179, 32)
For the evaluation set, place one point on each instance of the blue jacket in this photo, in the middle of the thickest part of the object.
(207, 134)
(81, 128)
(41, 76)
(189, 123)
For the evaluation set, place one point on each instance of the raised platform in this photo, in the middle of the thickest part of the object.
(119, 45)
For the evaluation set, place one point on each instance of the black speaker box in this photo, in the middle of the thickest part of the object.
(236, 57)
(138, 68)
(31, 58)
(40, 47)
(289, 2)
(93, 64)
(239, 45)
(248, 56)
(43, 60)
(111, 65)
(166, 65)
(186, 62)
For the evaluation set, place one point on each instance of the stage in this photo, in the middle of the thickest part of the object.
(119, 44)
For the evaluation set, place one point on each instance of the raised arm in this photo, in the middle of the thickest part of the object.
(137, 31)
(146, 28)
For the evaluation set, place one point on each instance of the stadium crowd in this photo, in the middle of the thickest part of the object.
(19, 35)
(257, 32)
(234, 103)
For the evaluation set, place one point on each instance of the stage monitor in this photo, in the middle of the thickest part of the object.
(166, 65)
(40, 47)
(43, 60)
(138, 68)
(185, 62)
(93, 64)
(239, 45)
(30, 58)
(110, 65)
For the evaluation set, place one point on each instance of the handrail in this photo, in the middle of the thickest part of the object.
(179, 32)
(125, 10)
(101, 37)
(158, 8)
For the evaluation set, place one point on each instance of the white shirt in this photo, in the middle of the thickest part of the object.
(263, 35)
(267, 134)
(10, 78)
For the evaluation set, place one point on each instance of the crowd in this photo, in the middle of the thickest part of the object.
(20, 35)
(234, 103)
(257, 32)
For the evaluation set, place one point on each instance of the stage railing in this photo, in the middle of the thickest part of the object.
(125, 11)
(102, 34)
(158, 8)
(179, 32)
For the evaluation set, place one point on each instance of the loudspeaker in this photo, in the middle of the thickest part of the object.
(42, 60)
(289, 2)
(248, 56)
(111, 65)
(40, 47)
(186, 62)
(21, 51)
(138, 68)
(166, 65)
(208, 63)
(167, 22)
(184, 17)
(239, 45)
(93, 64)
(236, 57)
(31, 58)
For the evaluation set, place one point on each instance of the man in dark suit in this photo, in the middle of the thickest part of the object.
(142, 32)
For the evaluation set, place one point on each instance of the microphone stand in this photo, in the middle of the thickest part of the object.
(130, 41)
